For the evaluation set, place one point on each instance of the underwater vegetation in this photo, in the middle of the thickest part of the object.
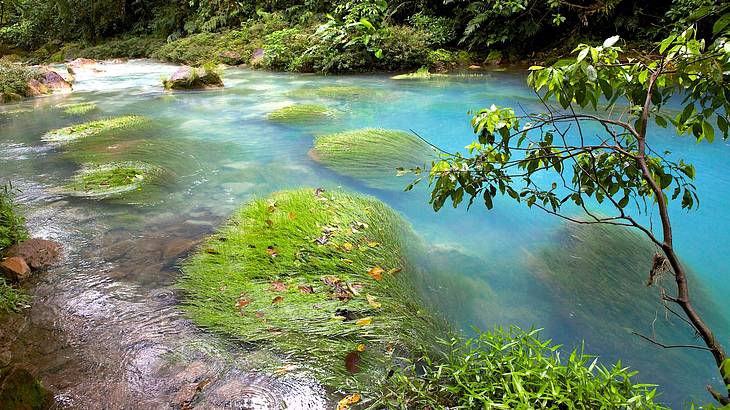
(420, 74)
(79, 108)
(112, 179)
(92, 128)
(372, 155)
(597, 277)
(331, 91)
(320, 277)
(301, 113)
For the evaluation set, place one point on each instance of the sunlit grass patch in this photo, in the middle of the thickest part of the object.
(92, 128)
(112, 179)
(80, 108)
(301, 113)
(322, 278)
(372, 155)
(420, 74)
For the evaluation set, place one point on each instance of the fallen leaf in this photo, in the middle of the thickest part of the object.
(222, 288)
(212, 251)
(347, 246)
(278, 286)
(352, 362)
(280, 371)
(277, 299)
(259, 314)
(270, 223)
(376, 273)
(242, 303)
(373, 302)
(318, 192)
(322, 240)
(354, 289)
(395, 270)
(360, 347)
(348, 261)
(348, 401)
(306, 289)
(364, 321)
(330, 280)
(373, 244)
(292, 215)
(271, 251)
(272, 206)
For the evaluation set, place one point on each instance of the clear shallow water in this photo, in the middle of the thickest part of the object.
(104, 327)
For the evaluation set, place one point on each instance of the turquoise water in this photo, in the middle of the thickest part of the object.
(220, 150)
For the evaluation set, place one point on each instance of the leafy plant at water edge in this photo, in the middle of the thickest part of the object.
(512, 369)
(12, 222)
(568, 154)
(11, 298)
(14, 80)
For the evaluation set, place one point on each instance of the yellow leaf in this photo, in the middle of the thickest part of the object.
(292, 215)
(376, 273)
(373, 244)
(284, 369)
(373, 302)
(394, 271)
(361, 347)
(348, 401)
(348, 261)
(347, 246)
(364, 321)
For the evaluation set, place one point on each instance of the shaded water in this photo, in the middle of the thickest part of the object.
(104, 331)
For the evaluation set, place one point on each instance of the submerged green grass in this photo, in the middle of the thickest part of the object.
(80, 108)
(420, 74)
(330, 91)
(112, 179)
(372, 155)
(292, 272)
(301, 113)
(92, 128)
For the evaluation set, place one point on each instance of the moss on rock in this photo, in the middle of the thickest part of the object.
(194, 78)
(323, 278)
(301, 113)
(92, 128)
(79, 109)
(112, 179)
(372, 155)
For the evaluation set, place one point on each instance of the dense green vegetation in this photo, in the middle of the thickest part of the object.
(14, 81)
(330, 36)
(12, 231)
(301, 113)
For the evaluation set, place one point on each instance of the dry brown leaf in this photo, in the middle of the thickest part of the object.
(376, 273)
(373, 302)
(306, 289)
(352, 361)
(270, 223)
(277, 286)
(242, 303)
(348, 401)
(277, 299)
(280, 371)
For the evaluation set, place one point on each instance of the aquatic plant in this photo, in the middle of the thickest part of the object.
(92, 128)
(112, 179)
(331, 91)
(372, 155)
(323, 278)
(12, 222)
(299, 113)
(510, 369)
(421, 74)
(79, 108)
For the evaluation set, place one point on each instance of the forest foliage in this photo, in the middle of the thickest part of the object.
(330, 36)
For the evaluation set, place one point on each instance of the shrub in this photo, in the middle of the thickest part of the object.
(232, 47)
(441, 30)
(133, 47)
(442, 60)
(403, 48)
(513, 369)
(285, 50)
(12, 223)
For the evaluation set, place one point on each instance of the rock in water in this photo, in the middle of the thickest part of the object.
(193, 78)
(14, 268)
(47, 82)
(20, 390)
(38, 253)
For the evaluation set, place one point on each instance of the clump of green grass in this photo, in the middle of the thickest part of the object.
(322, 278)
(372, 155)
(14, 81)
(301, 113)
(330, 91)
(92, 128)
(513, 369)
(80, 108)
(420, 74)
(112, 179)
(11, 298)
(205, 76)
(12, 222)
